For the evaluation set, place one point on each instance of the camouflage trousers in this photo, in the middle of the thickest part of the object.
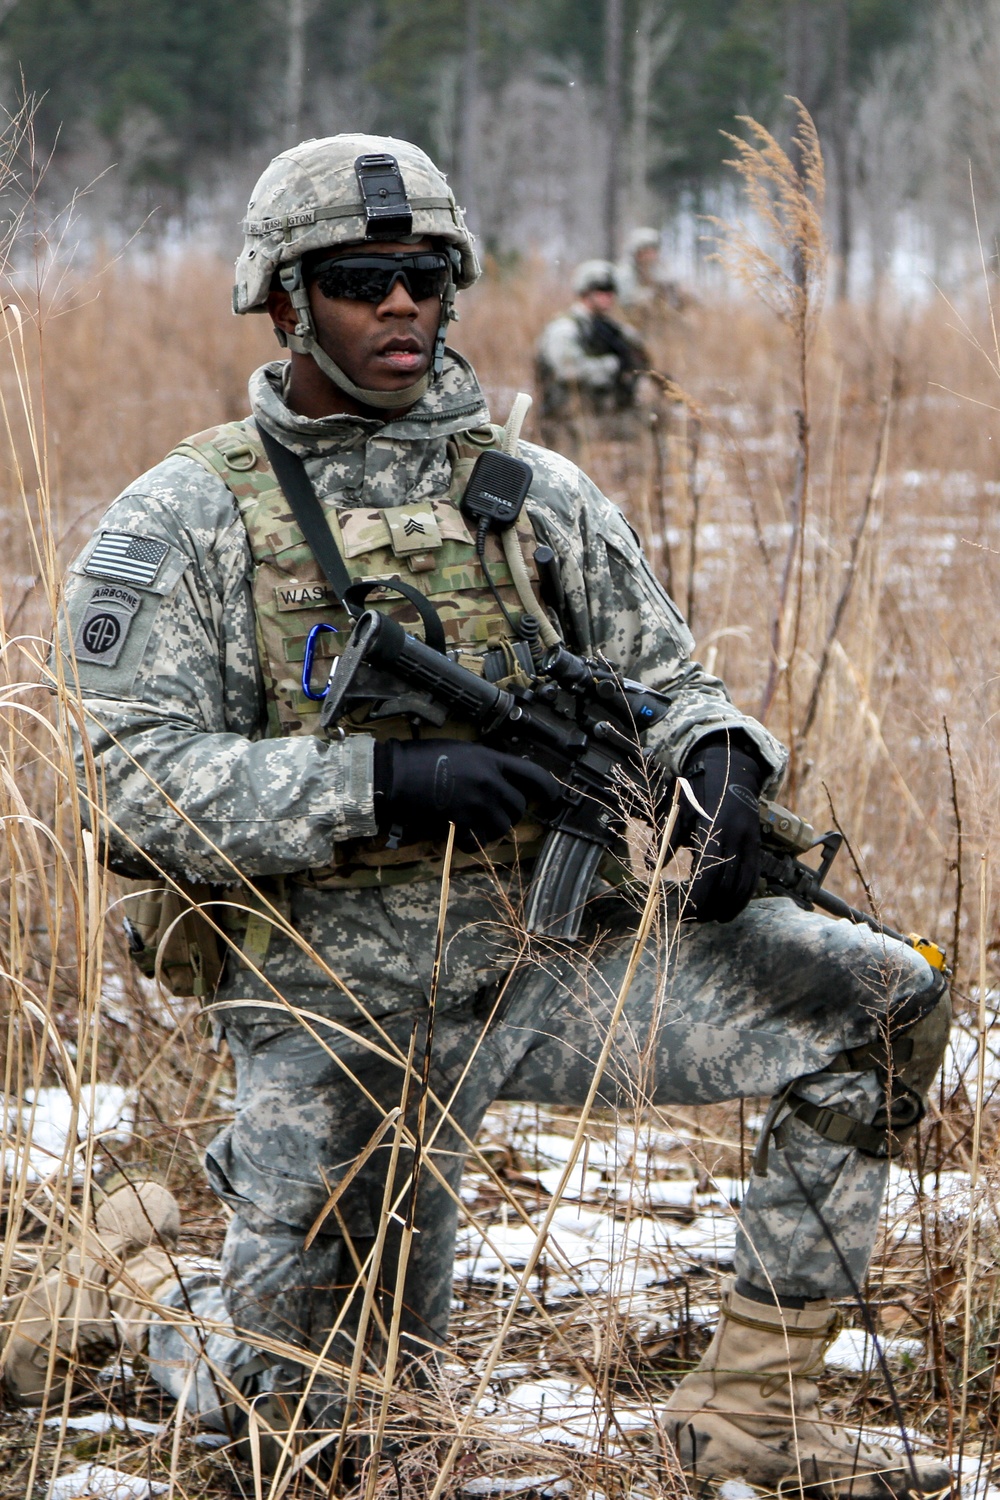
(714, 1013)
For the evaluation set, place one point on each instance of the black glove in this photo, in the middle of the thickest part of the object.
(726, 844)
(423, 785)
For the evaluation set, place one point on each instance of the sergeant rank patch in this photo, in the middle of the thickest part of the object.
(131, 559)
(105, 624)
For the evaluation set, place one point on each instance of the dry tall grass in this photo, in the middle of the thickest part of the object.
(885, 684)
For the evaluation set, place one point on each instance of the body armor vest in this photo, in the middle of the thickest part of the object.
(430, 546)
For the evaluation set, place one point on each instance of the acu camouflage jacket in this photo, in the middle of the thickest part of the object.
(158, 607)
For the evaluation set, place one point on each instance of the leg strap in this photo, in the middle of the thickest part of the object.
(883, 1138)
(904, 1064)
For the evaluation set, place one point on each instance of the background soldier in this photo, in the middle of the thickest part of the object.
(327, 850)
(646, 295)
(587, 366)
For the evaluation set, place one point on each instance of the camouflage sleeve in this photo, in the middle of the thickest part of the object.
(612, 603)
(157, 627)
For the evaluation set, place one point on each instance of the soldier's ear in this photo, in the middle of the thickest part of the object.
(282, 313)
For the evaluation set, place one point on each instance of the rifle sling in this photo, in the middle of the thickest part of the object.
(298, 490)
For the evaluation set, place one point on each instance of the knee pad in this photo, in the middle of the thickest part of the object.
(905, 1059)
(919, 1050)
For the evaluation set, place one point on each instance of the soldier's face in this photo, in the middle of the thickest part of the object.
(381, 346)
(599, 301)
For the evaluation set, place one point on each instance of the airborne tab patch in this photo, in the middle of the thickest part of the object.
(105, 624)
(132, 559)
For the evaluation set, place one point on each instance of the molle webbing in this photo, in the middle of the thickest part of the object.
(426, 543)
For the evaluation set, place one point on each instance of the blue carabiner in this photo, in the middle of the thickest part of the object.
(307, 662)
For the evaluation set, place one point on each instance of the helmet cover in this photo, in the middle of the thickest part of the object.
(644, 238)
(309, 198)
(595, 276)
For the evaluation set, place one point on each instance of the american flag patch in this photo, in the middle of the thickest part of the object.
(132, 559)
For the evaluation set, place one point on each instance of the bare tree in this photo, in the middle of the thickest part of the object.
(840, 132)
(468, 122)
(297, 13)
(656, 33)
(614, 23)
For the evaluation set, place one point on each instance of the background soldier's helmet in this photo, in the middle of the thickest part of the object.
(311, 198)
(595, 276)
(642, 239)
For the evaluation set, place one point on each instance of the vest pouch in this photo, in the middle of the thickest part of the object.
(169, 937)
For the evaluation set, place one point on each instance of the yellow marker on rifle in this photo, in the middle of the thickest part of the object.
(784, 836)
(934, 955)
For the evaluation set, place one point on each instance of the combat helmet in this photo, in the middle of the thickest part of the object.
(345, 190)
(595, 276)
(643, 238)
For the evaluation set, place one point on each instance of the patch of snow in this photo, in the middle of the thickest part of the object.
(40, 1124)
(513, 1371)
(117, 1369)
(101, 1422)
(661, 1193)
(561, 1411)
(98, 1482)
(852, 1349)
(581, 1184)
(975, 1483)
(590, 1251)
(544, 1484)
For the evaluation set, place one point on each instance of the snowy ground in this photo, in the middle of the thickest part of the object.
(636, 1223)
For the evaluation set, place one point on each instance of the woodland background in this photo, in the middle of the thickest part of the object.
(820, 492)
(561, 122)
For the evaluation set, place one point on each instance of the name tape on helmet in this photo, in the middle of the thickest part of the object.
(307, 216)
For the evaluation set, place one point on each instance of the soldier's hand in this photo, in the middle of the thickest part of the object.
(725, 842)
(423, 785)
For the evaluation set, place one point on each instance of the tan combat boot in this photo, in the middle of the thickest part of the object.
(97, 1298)
(748, 1411)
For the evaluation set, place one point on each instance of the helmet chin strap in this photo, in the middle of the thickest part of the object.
(303, 341)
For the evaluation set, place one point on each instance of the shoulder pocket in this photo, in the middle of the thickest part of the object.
(133, 560)
(113, 595)
(629, 555)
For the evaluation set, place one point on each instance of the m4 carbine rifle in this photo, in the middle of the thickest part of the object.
(582, 721)
(608, 337)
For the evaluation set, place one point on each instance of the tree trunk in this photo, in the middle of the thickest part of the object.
(613, 116)
(655, 36)
(468, 123)
(841, 144)
(642, 78)
(295, 70)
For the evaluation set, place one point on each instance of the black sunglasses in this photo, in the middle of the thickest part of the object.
(370, 278)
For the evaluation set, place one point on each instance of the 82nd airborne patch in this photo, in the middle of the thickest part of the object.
(105, 624)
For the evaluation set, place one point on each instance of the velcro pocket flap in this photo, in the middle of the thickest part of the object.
(413, 528)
